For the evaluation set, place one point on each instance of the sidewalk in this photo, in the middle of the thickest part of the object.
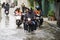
(51, 23)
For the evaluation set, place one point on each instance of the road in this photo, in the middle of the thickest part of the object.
(9, 31)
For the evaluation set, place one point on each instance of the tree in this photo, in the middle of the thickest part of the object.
(31, 3)
(40, 3)
(36, 2)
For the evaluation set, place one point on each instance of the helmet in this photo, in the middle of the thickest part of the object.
(38, 7)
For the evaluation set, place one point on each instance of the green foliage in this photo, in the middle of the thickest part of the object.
(31, 3)
(51, 1)
(51, 13)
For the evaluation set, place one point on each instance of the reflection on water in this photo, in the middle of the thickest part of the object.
(41, 35)
(6, 20)
(57, 35)
(33, 37)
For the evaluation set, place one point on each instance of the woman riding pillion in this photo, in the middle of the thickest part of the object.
(18, 12)
(18, 15)
(6, 9)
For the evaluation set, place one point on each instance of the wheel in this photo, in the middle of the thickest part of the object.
(29, 29)
(18, 26)
(6, 13)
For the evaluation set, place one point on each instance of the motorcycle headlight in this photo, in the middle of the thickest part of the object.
(6, 11)
(29, 19)
(23, 14)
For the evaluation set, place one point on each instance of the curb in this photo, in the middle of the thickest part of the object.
(53, 26)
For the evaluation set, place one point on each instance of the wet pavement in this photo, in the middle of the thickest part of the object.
(20, 34)
(9, 31)
(0, 14)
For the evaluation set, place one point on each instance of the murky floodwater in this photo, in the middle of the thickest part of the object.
(6, 21)
(45, 32)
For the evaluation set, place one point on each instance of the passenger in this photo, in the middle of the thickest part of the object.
(18, 12)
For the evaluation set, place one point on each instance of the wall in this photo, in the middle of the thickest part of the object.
(57, 12)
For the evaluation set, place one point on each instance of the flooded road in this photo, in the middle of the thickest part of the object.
(9, 31)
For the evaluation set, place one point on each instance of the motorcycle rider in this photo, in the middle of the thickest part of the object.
(38, 13)
(29, 14)
(17, 11)
(7, 9)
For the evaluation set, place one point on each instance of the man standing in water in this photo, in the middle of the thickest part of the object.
(23, 7)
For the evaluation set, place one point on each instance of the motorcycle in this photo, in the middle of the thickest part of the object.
(18, 20)
(6, 12)
(29, 25)
(39, 20)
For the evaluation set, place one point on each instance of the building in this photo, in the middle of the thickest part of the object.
(57, 11)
